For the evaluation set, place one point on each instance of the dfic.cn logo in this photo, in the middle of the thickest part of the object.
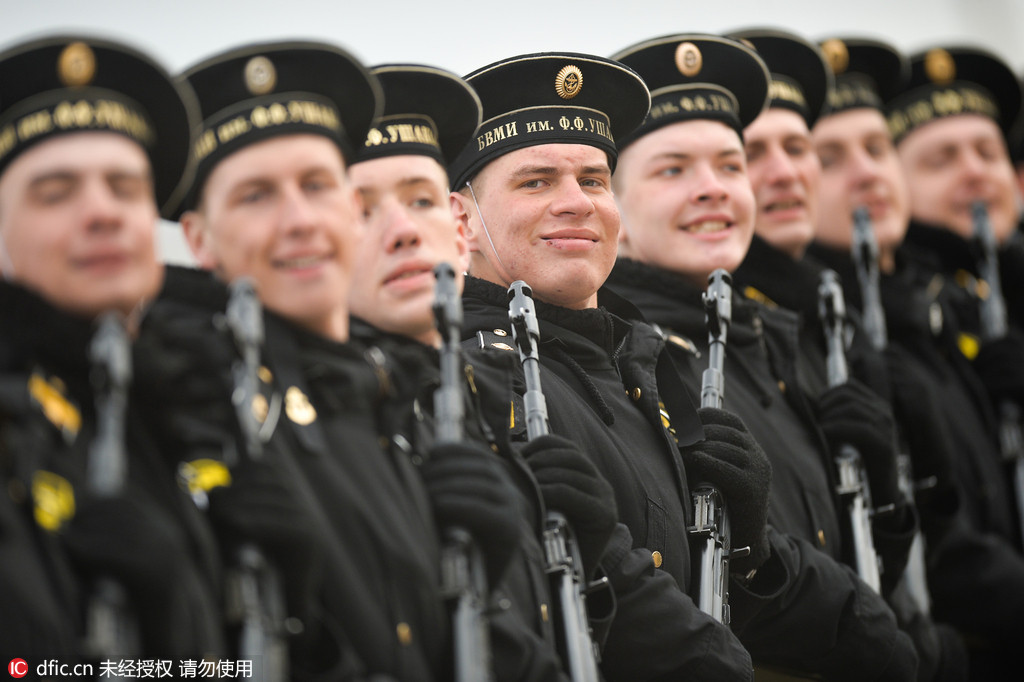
(17, 667)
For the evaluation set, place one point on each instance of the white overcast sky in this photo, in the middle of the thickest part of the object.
(463, 35)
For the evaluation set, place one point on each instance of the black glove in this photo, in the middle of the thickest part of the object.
(1000, 365)
(852, 414)
(182, 381)
(731, 460)
(572, 485)
(469, 489)
(131, 540)
(259, 508)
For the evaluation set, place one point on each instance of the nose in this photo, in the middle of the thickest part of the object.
(570, 199)
(708, 186)
(865, 169)
(400, 230)
(972, 165)
(778, 166)
(297, 215)
(101, 207)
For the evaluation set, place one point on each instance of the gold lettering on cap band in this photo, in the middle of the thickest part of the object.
(689, 60)
(939, 66)
(303, 112)
(787, 92)
(837, 55)
(402, 133)
(569, 82)
(70, 115)
(260, 75)
(76, 65)
(937, 104)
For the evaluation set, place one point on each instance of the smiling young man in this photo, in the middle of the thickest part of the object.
(272, 201)
(400, 174)
(534, 199)
(688, 209)
(934, 396)
(95, 142)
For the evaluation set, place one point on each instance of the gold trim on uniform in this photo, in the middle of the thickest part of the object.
(53, 499)
(260, 75)
(969, 345)
(57, 408)
(689, 60)
(837, 55)
(203, 475)
(940, 66)
(502, 346)
(76, 65)
(298, 408)
(569, 81)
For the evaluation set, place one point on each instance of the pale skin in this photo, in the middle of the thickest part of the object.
(553, 220)
(283, 213)
(785, 176)
(686, 201)
(77, 223)
(860, 167)
(952, 162)
(410, 229)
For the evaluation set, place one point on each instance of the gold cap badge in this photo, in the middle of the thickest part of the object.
(689, 60)
(836, 54)
(569, 82)
(76, 65)
(939, 66)
(260, 75)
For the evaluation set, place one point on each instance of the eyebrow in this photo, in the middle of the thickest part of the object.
(527, 171)
(71, 175)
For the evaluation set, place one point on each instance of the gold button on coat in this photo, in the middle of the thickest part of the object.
(656, 555)
(404, 633)
(635, 393)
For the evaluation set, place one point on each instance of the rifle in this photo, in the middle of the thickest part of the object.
(865, 257)
(111, 630)
(255, 597)
(462, 567)
(710, 531)
(994, 326)
(564, 565)
(853, 485)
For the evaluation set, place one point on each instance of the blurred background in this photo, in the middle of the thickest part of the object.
(463, 35)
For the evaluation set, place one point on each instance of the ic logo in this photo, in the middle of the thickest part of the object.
(17, 667)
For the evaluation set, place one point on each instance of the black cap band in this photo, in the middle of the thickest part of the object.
(532, 126)
(922, 105)
(854, 91)
(261, 118)
(404, 134)
(64, 111)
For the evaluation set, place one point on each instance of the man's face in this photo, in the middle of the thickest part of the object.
(860, 167)
(550, 212)
(686, 200)
(410, 229)
(283, 213)
(951, 163)
(77, 222)
(785, 176)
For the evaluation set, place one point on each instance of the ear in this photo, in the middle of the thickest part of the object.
(463, 246)
(197, 234)
(463, 212)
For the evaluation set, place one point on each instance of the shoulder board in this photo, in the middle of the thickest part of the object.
(759, 296)
(678, 340)
(498, 339)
